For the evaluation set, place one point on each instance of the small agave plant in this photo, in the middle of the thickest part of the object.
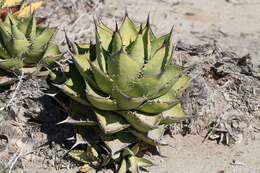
(124, 90)
(25, 48)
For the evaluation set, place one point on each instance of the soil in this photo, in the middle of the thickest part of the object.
(229, 27)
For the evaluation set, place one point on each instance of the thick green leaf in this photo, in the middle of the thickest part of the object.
(99, 54)
(152, 137)
(75, 122)
(168, 52)
(32, 30)
(123, 167)
(82, 48)
(11, 19)
(33, 57)
(123, 70)
(19, 47)
(136, 50)
(92, 153)
(158, 42)
(125, 102)
(110, 122)
(16, 33)
(52, 50)
(146, 86)
(135, 148)
(100, 102)
(40, 30)
(51, 55)
(80, 155)
(8, 64)
(73, 91)
(170, 76)
(105, 34)
(180, 84)
(127, 152)
(118, 141)
(154, 65)
(116, 43)
(147, 38)
(83, 66)
(25, 24)
(46, 37)
(85, 156)
(141, 122)
(3, 52)
(160, 104)
(103, 81)
(133, 166)
(75, 86)
(103, 39)
(128, 31)
(105, 160)
(173, 115)
(151, 86)
(142, 162)
(6, 36)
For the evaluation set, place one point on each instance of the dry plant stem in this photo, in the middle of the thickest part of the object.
(14, 159)
(15, 92)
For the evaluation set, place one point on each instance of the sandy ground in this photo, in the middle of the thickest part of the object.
(235, 25)
(191, 155)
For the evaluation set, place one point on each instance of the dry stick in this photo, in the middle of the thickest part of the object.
(14, 159)
(15, 92)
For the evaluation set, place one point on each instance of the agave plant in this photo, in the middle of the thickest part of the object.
(18, 8)
(127, 88)
(25, 48)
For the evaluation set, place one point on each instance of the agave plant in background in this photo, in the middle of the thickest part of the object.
(124, 90)
(25, 48)
(19, 8)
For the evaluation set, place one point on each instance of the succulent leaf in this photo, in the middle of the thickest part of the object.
(83, 66)
(136, 50)
(19, 47)
(116, 42)
(74, 87)
(125, 102)
(154, 65)
(41, 41)
(173, 115)
(10, 63)
(118, 141)
(105, 34)
(152, 137)
(25, 45)
(3, 52)
(128, 81)
(110, 122)
(142, 162)
(104, 82)
(160, 104)
(123, 167)
(128, 31)
(123, 70)
(140, 121)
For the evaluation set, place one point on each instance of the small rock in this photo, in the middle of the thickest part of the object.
(237, 162)
(50, 162)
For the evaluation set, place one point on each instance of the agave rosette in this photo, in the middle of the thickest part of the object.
(25, 47)
(129, 85)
